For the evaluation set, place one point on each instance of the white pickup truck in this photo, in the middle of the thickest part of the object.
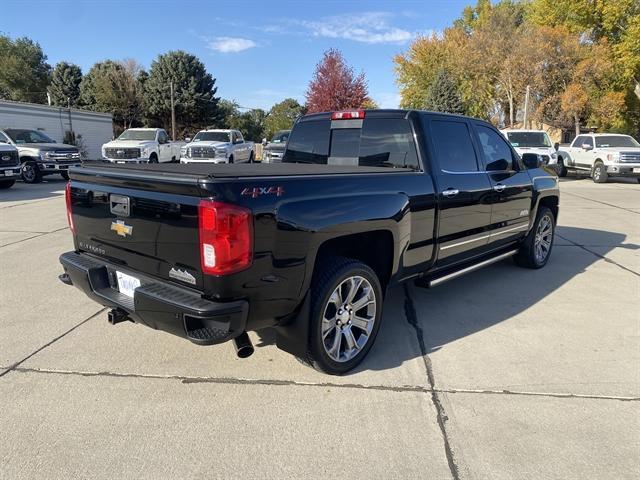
(532, 141)
(217, 146)
(602, 155)
(142, 145)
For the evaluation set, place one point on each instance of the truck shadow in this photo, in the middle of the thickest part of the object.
(484, 298)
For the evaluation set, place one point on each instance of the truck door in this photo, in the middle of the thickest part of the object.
(511, 184)
(241, 148)
(164, 147)
(463, 189)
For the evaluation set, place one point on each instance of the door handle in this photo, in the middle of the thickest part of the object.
(499, 187)
(450, 192)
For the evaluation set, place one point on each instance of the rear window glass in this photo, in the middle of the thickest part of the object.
(380, 143)
(309, 143)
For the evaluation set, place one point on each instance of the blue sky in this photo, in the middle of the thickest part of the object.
(259, 52)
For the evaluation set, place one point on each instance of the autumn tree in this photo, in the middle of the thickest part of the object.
(64, 89)
(334, 85)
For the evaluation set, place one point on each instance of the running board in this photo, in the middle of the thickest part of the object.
(472, 268)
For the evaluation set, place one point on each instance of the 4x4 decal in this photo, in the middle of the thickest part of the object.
(255, 192)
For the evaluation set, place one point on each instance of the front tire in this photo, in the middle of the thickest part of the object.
(6, 184)
(251, 158)
(31, 173)
(153, 158)
(346, 312)
(536, 249)
(230, 159)
(599, 173)
(562, 170)
(65, 175)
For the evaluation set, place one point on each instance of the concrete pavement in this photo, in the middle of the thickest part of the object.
(504, 373)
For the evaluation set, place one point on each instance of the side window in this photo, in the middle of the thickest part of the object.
(587, 141)
(3, 138)
(309, 142)
(387, 142)
(497, 153)
(162, 137)
(239, 138)
(579, 140)
(454, 149)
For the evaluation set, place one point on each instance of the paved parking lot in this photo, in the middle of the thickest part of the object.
(505, 373)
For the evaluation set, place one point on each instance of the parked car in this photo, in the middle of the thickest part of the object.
(274, 150)
(362, 200)
(532, 141)
(9, 165)
(217, 146)
(601, 155)
(39, 154)
(142, 145)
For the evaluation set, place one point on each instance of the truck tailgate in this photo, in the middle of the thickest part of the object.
(148, 231)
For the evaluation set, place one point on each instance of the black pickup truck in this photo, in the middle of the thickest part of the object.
(362, 200)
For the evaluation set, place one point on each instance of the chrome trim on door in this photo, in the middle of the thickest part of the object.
(499, 187)
(491, 236)
(450, 192)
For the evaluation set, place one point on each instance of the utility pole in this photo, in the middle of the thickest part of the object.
(173, 115)
(526, 107)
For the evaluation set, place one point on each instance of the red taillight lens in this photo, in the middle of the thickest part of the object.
(226, 237)
(348, 115)
(67, 196)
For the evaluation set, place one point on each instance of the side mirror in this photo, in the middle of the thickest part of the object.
(264, 141)
(187, 139)
(531, 160)
(556, 146)
(586, 146)
(500, 165)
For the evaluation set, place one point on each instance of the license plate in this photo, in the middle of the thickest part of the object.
(127, 284)
(8, 173)
(636, 170)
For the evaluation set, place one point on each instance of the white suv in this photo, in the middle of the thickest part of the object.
(532, 141)
(601, 155)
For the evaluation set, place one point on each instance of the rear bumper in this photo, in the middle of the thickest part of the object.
(157, 304)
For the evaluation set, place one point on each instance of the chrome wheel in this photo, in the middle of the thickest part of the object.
(597, 173)
(28, 172)
(544, 237)
(348, 318)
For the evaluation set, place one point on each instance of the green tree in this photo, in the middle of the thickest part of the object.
(282, 115)
(24, 71)
(443, 95)
(90, 98)
(196, 105)
(64, 89)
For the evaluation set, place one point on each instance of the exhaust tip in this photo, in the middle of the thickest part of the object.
(244, 347)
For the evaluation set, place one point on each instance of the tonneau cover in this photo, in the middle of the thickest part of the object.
(234, 170)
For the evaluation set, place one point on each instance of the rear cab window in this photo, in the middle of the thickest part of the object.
(371, 142)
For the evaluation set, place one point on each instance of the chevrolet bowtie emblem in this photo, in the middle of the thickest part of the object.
(121, 228)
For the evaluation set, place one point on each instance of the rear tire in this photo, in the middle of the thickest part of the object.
(599, 173)
(31, 172)
(6, 184)
(346, 312)
(536, 249)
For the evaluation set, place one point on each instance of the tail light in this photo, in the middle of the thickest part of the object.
(348, 115)
(67, 197)
(226, 237)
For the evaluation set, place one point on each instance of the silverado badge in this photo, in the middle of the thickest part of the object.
(121, 228)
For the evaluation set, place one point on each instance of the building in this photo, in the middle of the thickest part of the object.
(91, 129)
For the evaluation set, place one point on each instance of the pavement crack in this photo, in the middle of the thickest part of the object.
(34, 236)
(606, 259)
(412, 318)
(185, 379)
(600, 202)
(538, 394)
(20, 362)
